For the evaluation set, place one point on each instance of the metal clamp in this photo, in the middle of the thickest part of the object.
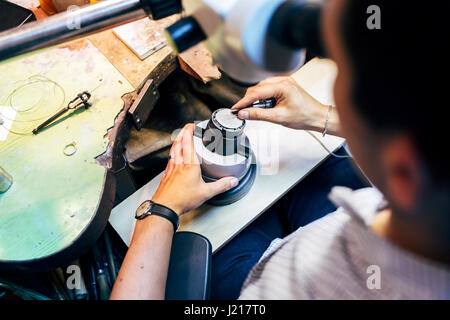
(143, 104)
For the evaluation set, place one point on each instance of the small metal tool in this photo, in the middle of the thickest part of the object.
(268, 103)
(82, 100)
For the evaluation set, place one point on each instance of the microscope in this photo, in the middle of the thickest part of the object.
(250, 40)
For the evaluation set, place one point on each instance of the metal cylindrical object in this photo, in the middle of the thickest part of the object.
(72, 24)
(224, 132)
(224, 150)
(5, 180)
(215, 165)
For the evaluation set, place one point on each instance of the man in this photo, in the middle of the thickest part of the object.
(391, 243)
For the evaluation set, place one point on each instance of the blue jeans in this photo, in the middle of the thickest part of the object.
(303, 204)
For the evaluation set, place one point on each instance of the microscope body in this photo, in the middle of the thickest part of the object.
(239, 38)
(250, 40)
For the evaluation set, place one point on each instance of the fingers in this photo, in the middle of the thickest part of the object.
(183, 150)
(262, 114)
(256, 93)
(189, 155)
(260, 92)
(221, 185)
(176, 151)
(274, 80)
(269, 88)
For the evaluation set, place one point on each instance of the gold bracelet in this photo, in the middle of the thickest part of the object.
(326, 122)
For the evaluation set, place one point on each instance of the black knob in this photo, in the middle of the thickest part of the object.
(296, 24)
(223, 132)
(159, 9)
(184, 34)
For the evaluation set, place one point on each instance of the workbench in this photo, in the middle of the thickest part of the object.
(58, 205)
(294, 154)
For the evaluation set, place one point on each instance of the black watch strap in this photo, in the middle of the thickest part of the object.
(162, 211)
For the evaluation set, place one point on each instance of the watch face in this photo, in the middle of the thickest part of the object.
(143, 208)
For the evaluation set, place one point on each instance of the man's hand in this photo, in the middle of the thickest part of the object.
(295, 108)
(182, 187)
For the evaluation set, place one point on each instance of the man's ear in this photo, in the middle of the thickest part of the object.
(400, 163)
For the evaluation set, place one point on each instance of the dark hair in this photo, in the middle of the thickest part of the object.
(399, 72)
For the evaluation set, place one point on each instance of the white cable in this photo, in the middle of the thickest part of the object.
(325, 147)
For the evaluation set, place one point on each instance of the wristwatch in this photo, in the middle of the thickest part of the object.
(148, 208)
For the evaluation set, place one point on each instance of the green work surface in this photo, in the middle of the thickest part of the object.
(54, 196)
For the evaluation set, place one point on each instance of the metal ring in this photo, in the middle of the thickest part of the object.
(70, 149)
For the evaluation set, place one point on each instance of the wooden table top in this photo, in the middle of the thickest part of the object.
(59, 204)
(136, 71)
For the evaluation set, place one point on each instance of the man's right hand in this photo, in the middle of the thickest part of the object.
(295, 108)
